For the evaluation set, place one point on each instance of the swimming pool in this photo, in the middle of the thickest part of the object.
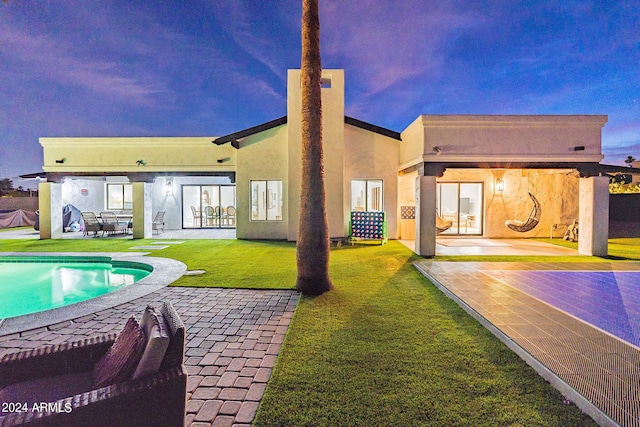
(35, 284)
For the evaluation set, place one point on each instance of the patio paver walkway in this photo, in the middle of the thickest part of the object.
(233, 340)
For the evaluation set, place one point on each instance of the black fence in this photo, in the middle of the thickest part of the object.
(624, 215)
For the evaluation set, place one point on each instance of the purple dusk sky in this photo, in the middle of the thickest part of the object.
(208, 68)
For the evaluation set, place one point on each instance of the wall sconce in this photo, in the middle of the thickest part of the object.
(168, 187)
(437, 150)
(226, 159)
(62, 160)
(579, 148)
(499, 185)
(141, 163)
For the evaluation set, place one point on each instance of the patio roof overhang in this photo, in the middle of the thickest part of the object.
(132, 176)
(585, 169)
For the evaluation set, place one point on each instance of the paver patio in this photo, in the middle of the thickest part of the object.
(233, 340)
(596, 370)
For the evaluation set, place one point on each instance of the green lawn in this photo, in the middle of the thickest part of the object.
(387, 348)
(384, 348)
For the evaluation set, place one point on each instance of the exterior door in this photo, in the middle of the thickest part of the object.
(209, 206)
(462, 204)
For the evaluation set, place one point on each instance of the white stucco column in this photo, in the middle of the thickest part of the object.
(142, 210)
(426, 216)
(50, 210)
(593, 219)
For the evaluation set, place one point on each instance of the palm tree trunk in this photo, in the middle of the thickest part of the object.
(312, 251)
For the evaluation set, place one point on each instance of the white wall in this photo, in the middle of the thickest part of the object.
(166, 154)
(92, 200)
(475, 138)
(333, 145)
(369, 155)
(262, 156)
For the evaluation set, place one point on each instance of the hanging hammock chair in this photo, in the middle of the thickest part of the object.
(531, 222)
(442, 225)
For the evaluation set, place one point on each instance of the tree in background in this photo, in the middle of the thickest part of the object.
(6, 184)
(629, 160)
(312, 250)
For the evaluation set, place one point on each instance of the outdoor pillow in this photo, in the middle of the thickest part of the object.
(157, 334)
(122, 357)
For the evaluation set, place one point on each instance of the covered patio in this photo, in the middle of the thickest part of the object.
(503, 177)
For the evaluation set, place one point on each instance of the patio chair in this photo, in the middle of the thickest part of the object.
(91, 224)
(231, 215)
(158, 222)
(110, 223)
(442, 225)
(210, 215)
(221, 214)
(197, 218)
(151, 391)
(532, 220)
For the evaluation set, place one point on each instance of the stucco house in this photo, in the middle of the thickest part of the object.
(473, 172)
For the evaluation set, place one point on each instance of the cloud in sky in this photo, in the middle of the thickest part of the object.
(384, 43)
(55, 60)
(73, 68)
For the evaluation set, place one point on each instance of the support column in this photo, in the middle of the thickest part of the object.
(593, 219)
(142, 210)
(50, 210)
(426, 216)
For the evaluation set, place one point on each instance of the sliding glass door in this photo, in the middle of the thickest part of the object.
(462, 204)
(209, 206)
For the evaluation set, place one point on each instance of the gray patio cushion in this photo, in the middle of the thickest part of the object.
(157, 334)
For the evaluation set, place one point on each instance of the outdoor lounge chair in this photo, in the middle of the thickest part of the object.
(62, 376)
(442, 225)
(158, 222)
(532, 220)
(110, 223)
(91, 224)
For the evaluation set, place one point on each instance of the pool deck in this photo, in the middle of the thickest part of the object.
(597, 371)
(233, 339)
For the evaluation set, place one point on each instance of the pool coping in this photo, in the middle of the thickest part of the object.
(165, 271)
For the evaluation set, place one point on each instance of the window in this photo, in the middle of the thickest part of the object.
(266, 200)
(366, 195)
(119, 196)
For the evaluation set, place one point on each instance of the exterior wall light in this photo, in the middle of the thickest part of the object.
(499, 185)
(168, 187)
(141, 163)
(437, 150)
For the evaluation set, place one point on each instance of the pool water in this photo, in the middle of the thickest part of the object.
(31, 287)
(609, 300)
